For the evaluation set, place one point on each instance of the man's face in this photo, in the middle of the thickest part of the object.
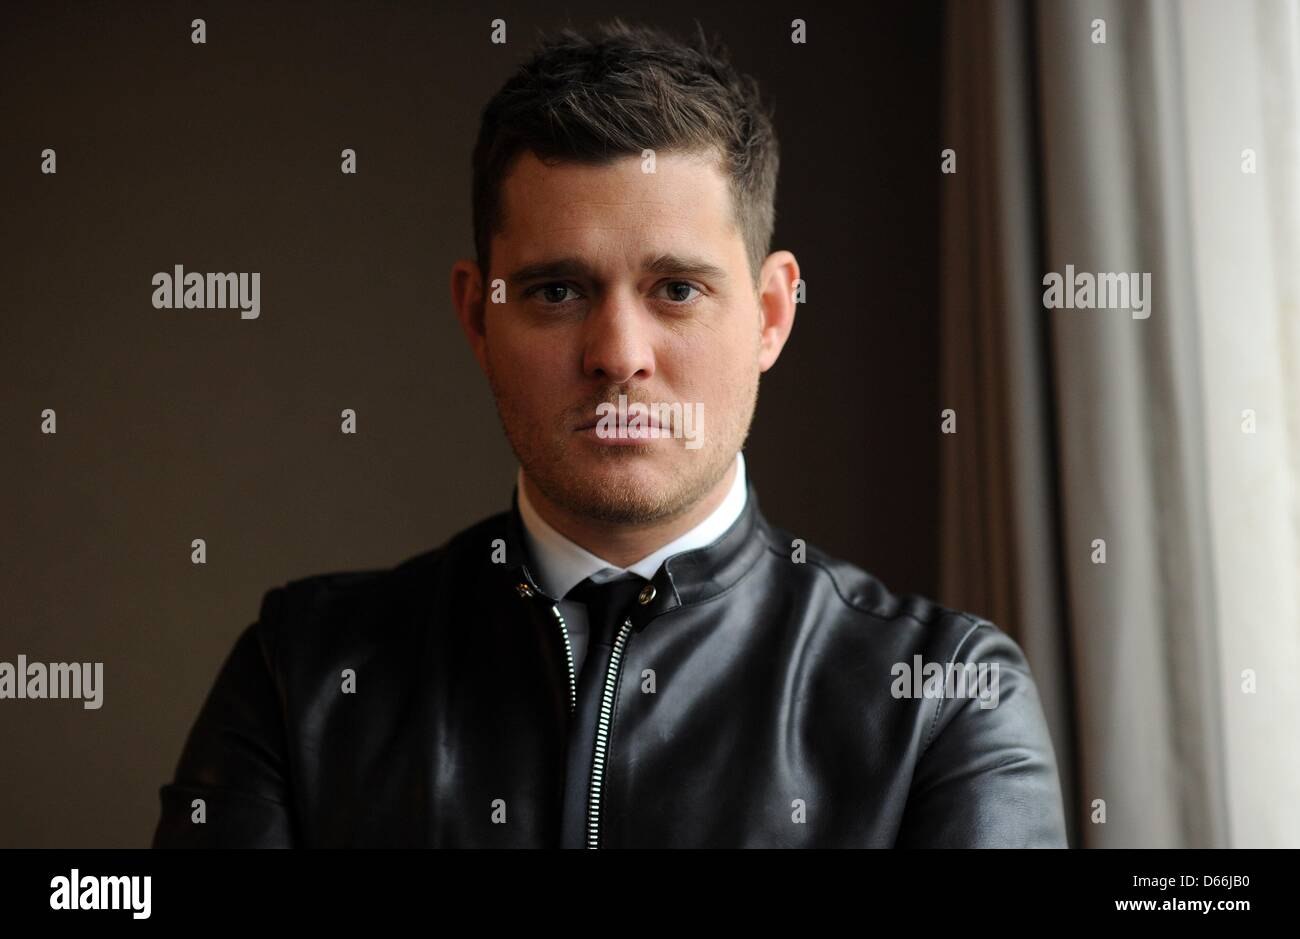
(619, 281)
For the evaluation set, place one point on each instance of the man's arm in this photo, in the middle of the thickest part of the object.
(988, 777)
(232, 772)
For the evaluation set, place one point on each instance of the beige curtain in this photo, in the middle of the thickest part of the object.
(1079, 429)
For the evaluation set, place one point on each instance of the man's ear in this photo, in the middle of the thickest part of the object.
(776, 281)
(467, 298)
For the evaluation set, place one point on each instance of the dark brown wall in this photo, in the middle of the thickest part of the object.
(181, 424)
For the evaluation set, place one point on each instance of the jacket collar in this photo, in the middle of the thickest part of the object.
(684, 579)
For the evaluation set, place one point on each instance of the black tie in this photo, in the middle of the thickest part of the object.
(607, 606)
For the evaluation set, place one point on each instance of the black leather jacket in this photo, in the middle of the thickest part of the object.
(753, 701)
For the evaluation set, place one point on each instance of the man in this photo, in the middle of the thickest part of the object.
(631, 655)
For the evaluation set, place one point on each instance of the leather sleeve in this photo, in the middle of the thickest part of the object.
(234, 758)
(988, 777)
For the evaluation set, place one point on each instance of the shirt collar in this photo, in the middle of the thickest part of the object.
(562, 564)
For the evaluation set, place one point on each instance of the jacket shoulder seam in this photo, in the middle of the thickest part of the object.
(934, 722)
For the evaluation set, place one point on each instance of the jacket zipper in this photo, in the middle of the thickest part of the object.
(568, 655)
(602, 735)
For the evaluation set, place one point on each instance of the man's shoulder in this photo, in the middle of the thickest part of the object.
(352, 602)
(871, 637)
(868, 607)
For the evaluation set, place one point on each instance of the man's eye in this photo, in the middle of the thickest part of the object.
(679, 291)
(551, 293)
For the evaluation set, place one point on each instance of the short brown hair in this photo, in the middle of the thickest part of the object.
(629, 88)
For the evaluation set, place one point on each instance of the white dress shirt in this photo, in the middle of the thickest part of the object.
(563, 564)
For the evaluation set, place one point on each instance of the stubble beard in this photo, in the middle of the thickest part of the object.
(548, 463)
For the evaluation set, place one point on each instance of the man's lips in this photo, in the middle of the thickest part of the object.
(643, 421)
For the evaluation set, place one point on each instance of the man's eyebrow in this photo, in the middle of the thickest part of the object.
(549, 270)
(688, 266)
(656, 264)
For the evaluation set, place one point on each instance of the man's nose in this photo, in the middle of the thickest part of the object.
(616, 337)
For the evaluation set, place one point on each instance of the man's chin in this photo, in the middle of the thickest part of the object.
(624, 488)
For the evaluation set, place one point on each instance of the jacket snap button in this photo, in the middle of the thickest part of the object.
(647, 594)
(524, 590)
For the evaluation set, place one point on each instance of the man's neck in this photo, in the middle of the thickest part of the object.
(624, 545)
